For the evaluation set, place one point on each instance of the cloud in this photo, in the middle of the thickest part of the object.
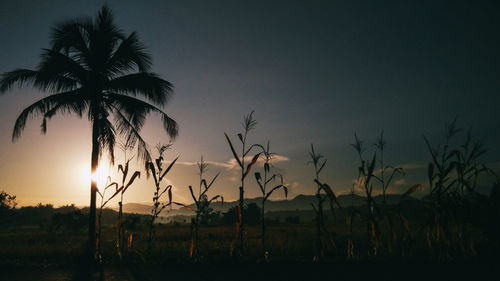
(413, 166)
(232, 164)
(400, 182)
(226, 165)
(405, 167)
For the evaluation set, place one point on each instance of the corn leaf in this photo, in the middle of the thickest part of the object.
(168, 168)
(151, 167)
(411, 190)
(258, 179)
(210, 184)
(322, 166)
(137, 174)
(192, 195)
(183, 205)
(233, 151)
(112, 184)
(249, 166)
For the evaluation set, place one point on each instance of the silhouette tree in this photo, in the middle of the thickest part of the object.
(93, 68)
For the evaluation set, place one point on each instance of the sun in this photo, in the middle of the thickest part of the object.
(100, 175)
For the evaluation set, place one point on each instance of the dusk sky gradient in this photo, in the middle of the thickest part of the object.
(313, 71)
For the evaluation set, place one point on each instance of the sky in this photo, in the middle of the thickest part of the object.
(313, 72)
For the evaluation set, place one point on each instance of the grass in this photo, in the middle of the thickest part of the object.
(285, 243)
(34, 253)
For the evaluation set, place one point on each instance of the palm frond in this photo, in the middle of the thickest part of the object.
(38, 108)
(71, 37)
(105, 136)
(136, 110)
(145, 84)
(129, 54)
(40, 79)
(125, 128)
(20, 76)
(60, 64)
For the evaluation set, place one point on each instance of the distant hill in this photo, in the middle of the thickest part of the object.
(299, 203)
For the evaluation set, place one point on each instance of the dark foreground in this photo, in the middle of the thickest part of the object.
(45, 254)
(391, 270)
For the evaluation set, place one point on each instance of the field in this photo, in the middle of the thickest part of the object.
(34, 253)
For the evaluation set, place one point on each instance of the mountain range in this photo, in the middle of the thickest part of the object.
(299, 203)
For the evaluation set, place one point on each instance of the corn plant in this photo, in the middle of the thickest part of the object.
(263, 182)
(124, 169)
(323, 192)
(158, 176)
(364, 181)
(248, 124)
(380, 144)
(385, 182)
(351, 214)
(452, 173)
(202, 204)
(104, 201)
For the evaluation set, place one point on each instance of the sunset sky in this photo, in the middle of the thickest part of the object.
(313, 71)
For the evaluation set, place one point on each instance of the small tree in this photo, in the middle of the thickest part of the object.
(202, 204)
(7, 203)
(263, 182)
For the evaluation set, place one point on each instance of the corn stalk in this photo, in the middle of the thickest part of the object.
(364, 181)
(124, 169)
(385, 183)
(323, 192)
(263, 182)
(452, 174)
(202, 204)
(248, 124)
(159, 174)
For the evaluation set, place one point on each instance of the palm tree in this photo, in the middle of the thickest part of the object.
(93, 68)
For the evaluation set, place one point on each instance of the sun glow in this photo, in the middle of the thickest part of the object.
(100, 176)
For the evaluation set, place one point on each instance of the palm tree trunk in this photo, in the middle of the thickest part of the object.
(240, 217)
(263, 226)
(93, 190)
(319, 221)
(196, 226)
(119, 228)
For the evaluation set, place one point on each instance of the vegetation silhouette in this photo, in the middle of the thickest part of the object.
(202, 204)
(248, 124)
(323, 192)
(269, 177)
(159, 174)
(93, 68)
